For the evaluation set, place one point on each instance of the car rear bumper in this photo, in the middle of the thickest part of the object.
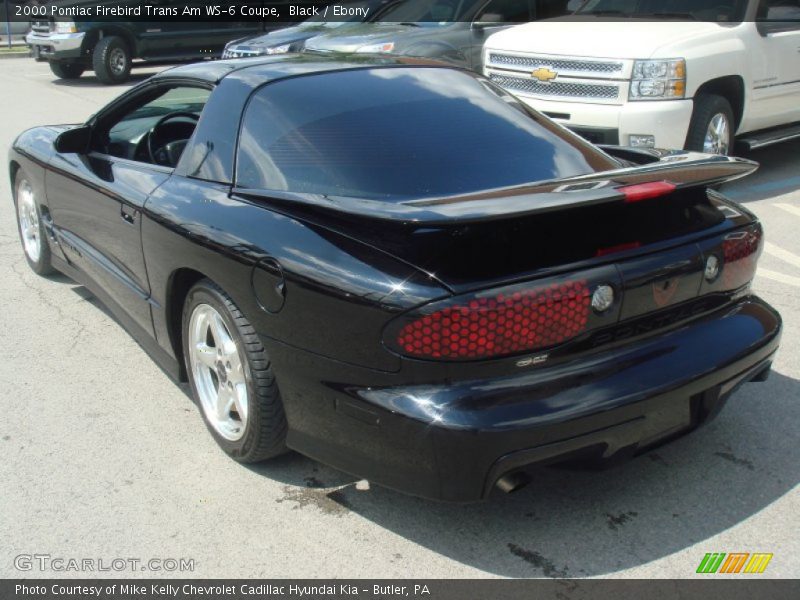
(452, 441)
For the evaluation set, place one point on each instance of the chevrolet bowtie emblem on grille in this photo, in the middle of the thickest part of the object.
(544, 74)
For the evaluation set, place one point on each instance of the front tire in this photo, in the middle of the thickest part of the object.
(30, 227)
(64, 70)
(111, 60)
(712, 126)
(231, 377)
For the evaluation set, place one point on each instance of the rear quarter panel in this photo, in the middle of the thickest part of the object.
(339, 293)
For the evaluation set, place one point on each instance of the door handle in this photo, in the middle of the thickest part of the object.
(128, 213)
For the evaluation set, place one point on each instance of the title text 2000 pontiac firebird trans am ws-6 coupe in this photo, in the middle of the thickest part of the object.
(396, 268)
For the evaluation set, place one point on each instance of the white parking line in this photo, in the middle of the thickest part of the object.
(779, 277)
(788, 208)
(782, 254)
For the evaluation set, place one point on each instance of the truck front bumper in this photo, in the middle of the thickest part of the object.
(666, 120)
(55, 46)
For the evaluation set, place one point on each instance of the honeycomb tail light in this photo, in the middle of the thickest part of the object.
(741, 251)
(494, 324)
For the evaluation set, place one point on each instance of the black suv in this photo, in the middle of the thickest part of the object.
(109, 48)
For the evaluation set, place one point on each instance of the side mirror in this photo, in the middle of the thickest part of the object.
(488, 19)
(75, 140)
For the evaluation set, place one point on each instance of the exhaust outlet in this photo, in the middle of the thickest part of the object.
(512, 482)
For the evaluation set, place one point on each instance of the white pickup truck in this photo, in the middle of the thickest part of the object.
(694, 74)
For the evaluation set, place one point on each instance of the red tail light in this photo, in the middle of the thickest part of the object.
(490, 326)
(618, 248)
(741, 251)
(645, 191)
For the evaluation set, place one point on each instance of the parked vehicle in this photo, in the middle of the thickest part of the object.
(638, 73)
(398, 269)
(292, 39)
(109, 48)
(451, 30)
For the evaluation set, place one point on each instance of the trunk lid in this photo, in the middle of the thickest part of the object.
(559, 268)
(500, 236)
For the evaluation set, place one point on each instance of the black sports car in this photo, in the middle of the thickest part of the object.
(394, 267)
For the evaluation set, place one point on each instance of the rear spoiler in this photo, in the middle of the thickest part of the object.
(680, 169)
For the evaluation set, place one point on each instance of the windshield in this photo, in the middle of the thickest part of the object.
(427, 12)
(346, 12)
(398, 133)
(690, 10)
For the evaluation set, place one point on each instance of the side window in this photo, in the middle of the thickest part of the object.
(549, 9)
(779, 10)
(155, 127)
(506, 11)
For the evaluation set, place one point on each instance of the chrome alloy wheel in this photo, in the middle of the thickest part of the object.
(28, 216)
(718, 135)
(218, 372)
(117, 61)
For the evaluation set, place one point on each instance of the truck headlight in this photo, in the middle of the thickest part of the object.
(65, 27)
(377, 48)
(658, 79)
(283, 49)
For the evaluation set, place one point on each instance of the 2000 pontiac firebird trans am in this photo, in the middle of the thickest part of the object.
(396, 268)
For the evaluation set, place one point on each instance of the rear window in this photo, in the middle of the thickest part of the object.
(400, 133)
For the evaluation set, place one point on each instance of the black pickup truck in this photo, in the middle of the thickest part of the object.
(110, 47)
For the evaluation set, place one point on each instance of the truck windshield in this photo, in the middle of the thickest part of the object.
(348, 12)
(689, 10)
(427, 12)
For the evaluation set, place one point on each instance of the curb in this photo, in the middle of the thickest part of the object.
(5, 55)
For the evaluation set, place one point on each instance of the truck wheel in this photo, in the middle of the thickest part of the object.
(712, 127)
(65, 70)
(111, 60)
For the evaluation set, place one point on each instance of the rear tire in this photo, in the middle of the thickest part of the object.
(231, 377)
(30, 227)
(65, 70)
(111, 60)
(712, 126)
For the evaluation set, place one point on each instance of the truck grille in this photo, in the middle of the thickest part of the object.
(40, 27)
(559, 64)
(558, 88)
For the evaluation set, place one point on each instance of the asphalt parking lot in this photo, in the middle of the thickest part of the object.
(103, 457)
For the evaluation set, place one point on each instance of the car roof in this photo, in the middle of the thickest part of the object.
(258, 70)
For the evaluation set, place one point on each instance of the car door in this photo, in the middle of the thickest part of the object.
(200, 33)
(776, 86)
(160, 35)
(96, 199)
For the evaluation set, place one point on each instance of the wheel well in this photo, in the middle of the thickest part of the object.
(732, 89)
(12, 173)
(95, 35)
(180, 282)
